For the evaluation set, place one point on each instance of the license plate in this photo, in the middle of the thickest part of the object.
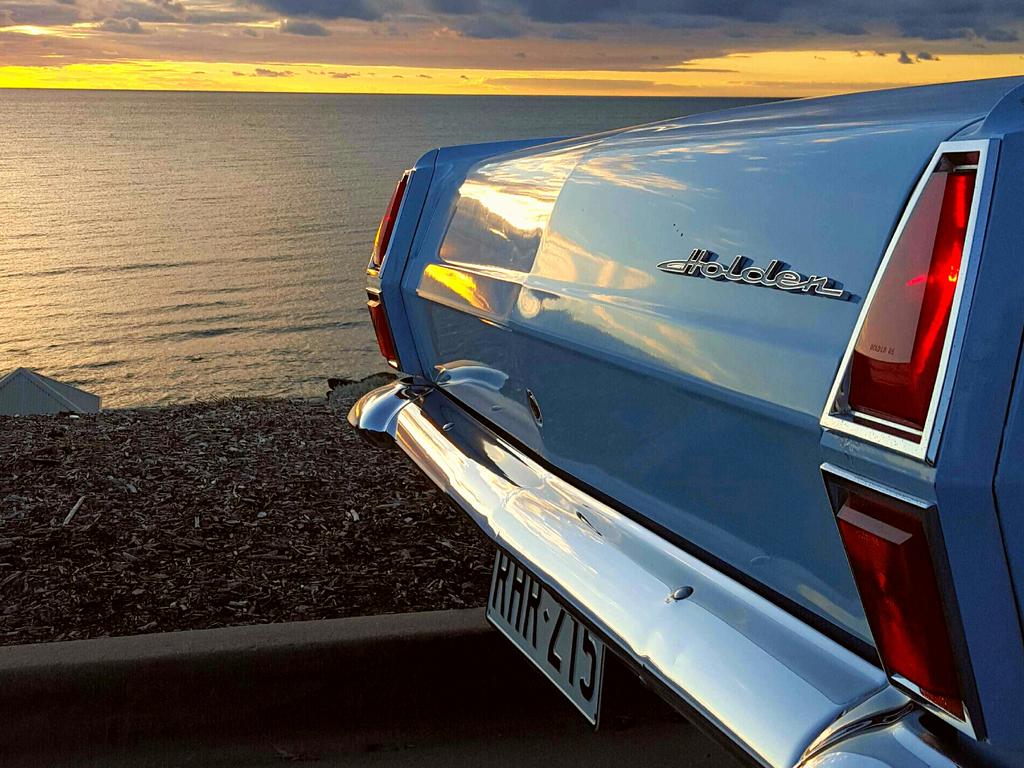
(560, 644)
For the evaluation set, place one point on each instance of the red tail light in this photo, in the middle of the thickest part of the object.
(387, 226)
(898, 562)
(897, 355)
(889, 386)
(385, 341)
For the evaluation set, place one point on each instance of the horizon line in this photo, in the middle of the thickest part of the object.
(399, 93)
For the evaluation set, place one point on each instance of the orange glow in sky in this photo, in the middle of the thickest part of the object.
(476, 47)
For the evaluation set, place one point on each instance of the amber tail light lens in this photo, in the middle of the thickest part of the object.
(381, 327)
(387, 226)
(898, 353)
(894, 570)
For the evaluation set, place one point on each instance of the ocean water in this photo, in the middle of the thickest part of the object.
(160, 248)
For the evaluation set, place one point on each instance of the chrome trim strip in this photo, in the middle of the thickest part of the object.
(836, 415)
(765, 679)
(887, 490)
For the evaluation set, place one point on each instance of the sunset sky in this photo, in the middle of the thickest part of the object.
(614, 47)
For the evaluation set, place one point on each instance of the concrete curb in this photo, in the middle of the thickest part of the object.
(249, 679)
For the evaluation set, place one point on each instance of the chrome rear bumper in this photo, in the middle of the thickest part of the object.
(780, 690)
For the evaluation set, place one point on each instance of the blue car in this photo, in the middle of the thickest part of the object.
(738, 398)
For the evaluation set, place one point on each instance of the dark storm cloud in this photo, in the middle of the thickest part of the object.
(561, 11)
(992, 20)
(956, 19)
(571, 33)
(973, 21)
(844, 28)
(454, 6)
(305, 28)
(325, 9)
(490, 27)
(995, 35)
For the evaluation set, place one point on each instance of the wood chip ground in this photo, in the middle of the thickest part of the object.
(240, 511)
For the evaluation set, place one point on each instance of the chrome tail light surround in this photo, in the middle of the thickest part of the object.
(838, 416)
(839, 485)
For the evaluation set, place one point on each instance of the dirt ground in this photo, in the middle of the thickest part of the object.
(239, 511)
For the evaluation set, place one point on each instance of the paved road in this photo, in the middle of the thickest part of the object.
(441, 689)
(527, 724)
(478, 745)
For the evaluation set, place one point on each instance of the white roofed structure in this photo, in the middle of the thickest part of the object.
(24, 392)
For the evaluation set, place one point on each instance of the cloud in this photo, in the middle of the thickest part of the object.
(570, 84)
(156, 11)
(454, 6)
(223, 15)
(425, 77)
(571, 33)
(955, 20)
(925, 56)
(993, 20)
(344, 75)
(904, 58)
(304, 28)
(171, 6)
(561, 11)
(38, 14)
(931, 29)
(125, 26)
(490, 28)
(325, 9)
(995, 35)
(262, 72)
(839, 27)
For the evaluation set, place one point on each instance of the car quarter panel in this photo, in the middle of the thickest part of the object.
(694, 402)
